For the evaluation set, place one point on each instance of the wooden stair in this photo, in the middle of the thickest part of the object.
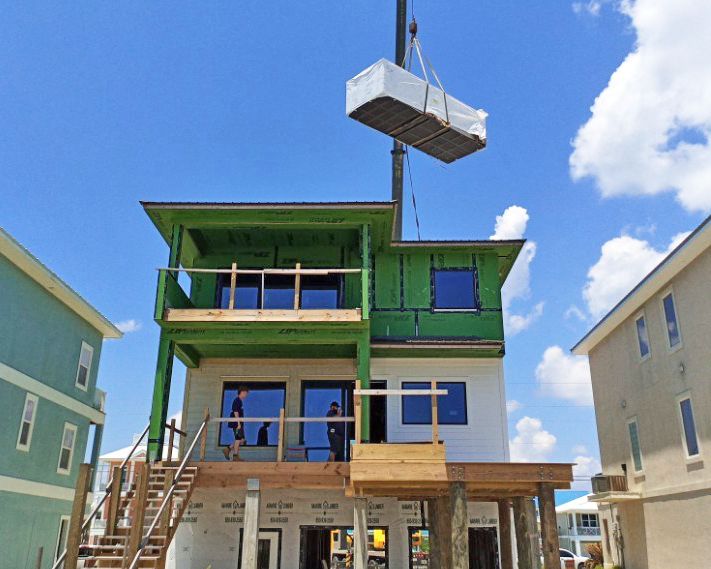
(141, 503)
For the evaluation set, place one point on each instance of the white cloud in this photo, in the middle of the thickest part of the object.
(512, 406)
(592, 7)
(512, 225)
(580, 449)
(575, 312)
(623, 262)
(650, 127)
(565, 377)
(532, 442)
(128, 326)
(586, 466)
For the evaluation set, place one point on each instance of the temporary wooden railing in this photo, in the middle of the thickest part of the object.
(281, 420)
(297, 271)
(433, 392)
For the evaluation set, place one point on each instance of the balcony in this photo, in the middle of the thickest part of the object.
(609, 488)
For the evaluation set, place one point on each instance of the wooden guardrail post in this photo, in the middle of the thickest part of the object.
(435, 415)
(203, 440)
(280, 443)
(138, 509)
(297, 286)
(165, 520)
(171, 440)
(77, 519)
(114, 501)
(358, 411)
(233, 285)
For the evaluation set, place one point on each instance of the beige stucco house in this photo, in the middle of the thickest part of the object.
(650, 360)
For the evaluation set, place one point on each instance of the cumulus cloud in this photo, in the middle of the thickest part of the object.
(575, 312)
(650, 127)
(512, 225)
(512, 406)
(586, 467)
(565, 377)
(623, 262)
(592, 7)
(128, 326)
(532, 442)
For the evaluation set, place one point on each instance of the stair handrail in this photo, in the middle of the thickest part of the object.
(168, 495)
(107, 492)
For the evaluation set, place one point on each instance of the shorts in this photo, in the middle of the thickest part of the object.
(239, 434)
(335, 443)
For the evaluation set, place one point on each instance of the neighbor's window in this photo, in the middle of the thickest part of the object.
(687, 419)
(587, 520)
(84, 367)
(642, 337)
(62, 536)
(66, 452)
(454, 289)
(634, 445)
(265, 399)
(27, 422)
(451, 408)
(672, 325)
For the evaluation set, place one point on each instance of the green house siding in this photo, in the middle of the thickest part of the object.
(41, 337)
(26, 524)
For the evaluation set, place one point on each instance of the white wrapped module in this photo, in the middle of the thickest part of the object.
(390, 99)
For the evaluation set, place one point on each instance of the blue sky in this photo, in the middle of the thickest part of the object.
(104, 105)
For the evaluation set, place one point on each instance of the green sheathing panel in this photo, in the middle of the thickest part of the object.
(41, 337)
(489, 285)
(26, 524)
(459, 260)
(416, 280)
(39, 464)
(484, 325)
(387, 281)
(392, 324)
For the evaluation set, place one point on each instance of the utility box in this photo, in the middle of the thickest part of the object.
(394, 101)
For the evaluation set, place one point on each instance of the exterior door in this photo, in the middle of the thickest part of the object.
(483, 548)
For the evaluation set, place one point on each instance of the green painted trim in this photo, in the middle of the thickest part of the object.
(188, 355)
(363, 373)
(161, 394)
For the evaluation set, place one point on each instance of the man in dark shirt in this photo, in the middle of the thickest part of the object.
(336, 433)
(232, 451)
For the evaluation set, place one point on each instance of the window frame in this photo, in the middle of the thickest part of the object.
(71, 427)
(88, 347)
(686, 396)
(642, 357)
(635, 471)
(26, 447)
(57, 551)
(427, 385)
(475, 289)
(670, 349)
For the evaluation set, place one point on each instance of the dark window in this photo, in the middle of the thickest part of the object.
(687, 418)
(316, 397)
(321, 291)
(451, 408)
(247, 291)
(265, 399)
(454, 289)
(673, 334)
(279, 292)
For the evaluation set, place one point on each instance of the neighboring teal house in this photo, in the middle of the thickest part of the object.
(50, 408)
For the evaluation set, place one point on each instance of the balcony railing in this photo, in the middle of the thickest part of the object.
(297, 296)
(609, 483)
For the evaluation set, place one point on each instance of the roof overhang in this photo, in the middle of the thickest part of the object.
(32, 267)
(688, 250)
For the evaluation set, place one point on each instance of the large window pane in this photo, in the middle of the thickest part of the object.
(265, 399)
(454, 289)
(279, 292)
(642, 337)
(634, 443)
(247, 291)
(451, 408)
(321, 291)
(687, 417)
(317, 398)
(672, 325)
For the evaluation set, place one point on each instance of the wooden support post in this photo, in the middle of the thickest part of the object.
(440, 516)
(435, 416)
(297, 286)
(524, 539)
(360, 533)
(549, 526)
(233, 285)
(114, 501)
(161, 395)
(505, 543)
(460, 525)
(138, 510)
(435, 561)
(365, 272)
(78, 508)
(171, 440)
(280, 442)
(363, 374)
(203, 439)
(358, 412)
(165, 518)
(250, 534)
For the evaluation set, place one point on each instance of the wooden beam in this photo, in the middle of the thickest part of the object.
(435, 415)
(360, 533)
(505, 542)
(203, 438)
(297, 286)
(165, 519)
(549, 527)
(441, 525)
(524, 538)
(138, 510)
(280, 443)
(358, 412)
(262, 315)
(114, 500)
(460, 526)
(77, 518)
(400, 392)
(233, 286)
(250, 534)
(171, 440)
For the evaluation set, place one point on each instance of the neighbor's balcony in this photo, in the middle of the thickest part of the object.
(611, 488)
(264, 295)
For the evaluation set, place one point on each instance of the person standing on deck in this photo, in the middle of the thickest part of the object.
(232, 451)
(336, 433)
